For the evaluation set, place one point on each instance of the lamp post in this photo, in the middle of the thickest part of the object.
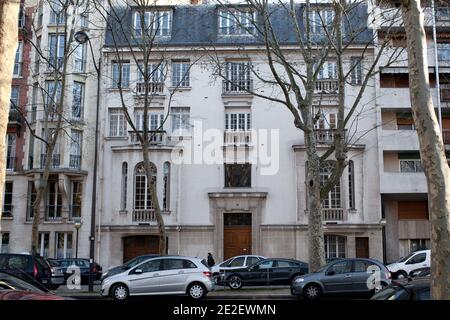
(81, 37)
(77, 223)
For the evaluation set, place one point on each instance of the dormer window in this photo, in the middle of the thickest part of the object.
(236, 22)
(319, 19)
(152, 23)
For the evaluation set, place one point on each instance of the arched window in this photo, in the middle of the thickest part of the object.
(351, 185)
(142, 198)
(166, 190)
(123, 196)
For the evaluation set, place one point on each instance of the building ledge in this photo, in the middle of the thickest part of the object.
(238, 193)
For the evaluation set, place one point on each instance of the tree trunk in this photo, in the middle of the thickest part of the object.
(9, 12)
(315, 227)
(432, 150)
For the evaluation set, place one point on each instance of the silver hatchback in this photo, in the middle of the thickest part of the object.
(161, 275)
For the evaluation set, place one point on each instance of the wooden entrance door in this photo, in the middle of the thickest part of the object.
(237, 234)
(134, 246)
(362, 247)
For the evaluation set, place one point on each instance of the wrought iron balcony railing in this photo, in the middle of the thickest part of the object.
(243, 86)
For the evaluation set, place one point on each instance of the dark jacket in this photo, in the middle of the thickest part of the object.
(211, 261)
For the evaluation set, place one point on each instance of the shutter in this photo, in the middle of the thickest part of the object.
(412, 210)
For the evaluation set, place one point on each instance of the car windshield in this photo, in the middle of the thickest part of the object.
(390, 293)
(135, 261)
(406, 258)
(9, 281)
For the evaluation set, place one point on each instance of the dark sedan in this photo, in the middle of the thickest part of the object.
(69, 266)
(266, 272)
(406, 289)
(127, 265)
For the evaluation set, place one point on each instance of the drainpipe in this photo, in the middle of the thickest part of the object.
(436, 61)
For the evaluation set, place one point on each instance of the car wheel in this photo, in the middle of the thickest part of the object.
(120, 292)
(312, 292)
(235, 282)
(196, 290)
(401, 274)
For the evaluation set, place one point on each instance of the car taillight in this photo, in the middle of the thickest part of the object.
(35, 271)
(389, 275)
(94, 269)
(207, 273)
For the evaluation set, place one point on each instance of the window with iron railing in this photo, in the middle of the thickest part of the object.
(156, 74)
(333, 198)
(79, 62)
(17, 71)
(11, 151)
(54, 201)
(14, 100)
(52, 99)
(76, 199)
(76, 140)
(77, 100)
(56, 51)
(31, 198)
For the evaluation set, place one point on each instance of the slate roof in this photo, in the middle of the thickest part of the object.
(197, 25)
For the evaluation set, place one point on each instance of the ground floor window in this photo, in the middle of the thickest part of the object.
(335, 246)
(44, 241)
(407, 246)
(4, 244)
(7, 199)
(63, 248)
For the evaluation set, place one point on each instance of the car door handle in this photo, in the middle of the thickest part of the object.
(180, 272)
(348, 276)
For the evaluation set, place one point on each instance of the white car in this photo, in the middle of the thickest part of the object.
(413, 261)
(235, 263)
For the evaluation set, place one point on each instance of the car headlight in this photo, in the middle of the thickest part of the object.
(298, 280)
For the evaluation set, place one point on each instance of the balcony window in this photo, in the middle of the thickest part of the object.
(411, 165)
(63, 245)
(238, 175)
(180, 73)
(31, 198)
(320, 19)
(156, 77)
(333, 199)
(351, 184)
(11, 151)
(180, 117)
(143, 204)
(77, 100)
(356, 70)
(124, 188)
(53, 98)
(7, 200)
(238, 121)
(120, 74)
(443, 51)
(326, 78)
(235, 22)
(57, 13)
(76, 199)
(14, 100)
(31, 150)
(335, 246)
(54, 201)
(166, 186)
(117, 123)
(237, 77)
(79, 62)
(151, 23)
(76, 140)
(56, 51)
(17, 72)
(4, 243)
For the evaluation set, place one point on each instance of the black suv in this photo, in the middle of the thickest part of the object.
(27, 266)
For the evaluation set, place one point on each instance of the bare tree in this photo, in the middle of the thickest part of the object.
(320, 32)
(432, 151)
(142, 46)
(9, 13)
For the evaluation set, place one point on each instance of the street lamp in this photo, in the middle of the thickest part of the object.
(81, 37)
(77, 223)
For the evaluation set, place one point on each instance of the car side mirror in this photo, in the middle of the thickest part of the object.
(137, 271)
(331, 273)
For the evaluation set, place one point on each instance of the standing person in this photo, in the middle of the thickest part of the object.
(211, 261)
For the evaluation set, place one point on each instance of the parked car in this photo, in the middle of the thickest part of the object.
(406, 289)
(233, 263)
(58, 277)
(127, 265)
(421, 272)
(343, 276)
(15, 288)
(68, 268)
(413, 261)
(266, 272)
(28, 265)
(161, 275)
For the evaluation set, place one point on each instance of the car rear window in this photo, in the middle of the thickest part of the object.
(238, 262)
(251, 260)
(187, 264)
(9, 262)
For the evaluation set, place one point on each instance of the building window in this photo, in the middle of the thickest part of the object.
(443, 50)
(7, 200)
(57, 13)
(333, 198)
(180, 73)
(17, 72)
(419, 244)
(155, 73)
(53, 98)
(351, 185)
(76, 143)
(123, 198)
(56, 156)
(234, 22)
(40, 14)
(410, 163)
(14, 100)
(4, 244)
(356, 70)
(79, 62)
(334, 246)
(238, 175)
(54, 201)
(320, 19)
(166, 188)
(238, 77)
(31, 150)
(76, 199)
(180, 121)
(237, 121)
(56, 51)
(117, 123)
(11, 151)
(328, 70)
(405, 123)
(156, 23)
(120, 74)
(31, 198)
(77, 100)
(142, 197)
(44, 244)
(63, 245)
